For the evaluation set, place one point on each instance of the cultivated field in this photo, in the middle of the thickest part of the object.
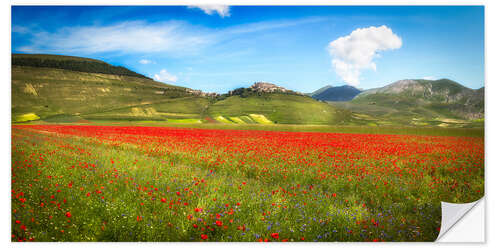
(133, 183)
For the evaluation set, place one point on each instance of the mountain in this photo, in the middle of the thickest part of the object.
(320, 90)
(444, 96)
(419, 102)
(335, 94)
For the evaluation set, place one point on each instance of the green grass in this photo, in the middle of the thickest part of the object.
(63, 119)
(184, 121)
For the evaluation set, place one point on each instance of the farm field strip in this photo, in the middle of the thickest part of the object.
(119, 183)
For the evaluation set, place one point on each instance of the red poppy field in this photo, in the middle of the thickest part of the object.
(117, 183)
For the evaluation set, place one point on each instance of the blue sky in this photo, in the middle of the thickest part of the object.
(219, 48)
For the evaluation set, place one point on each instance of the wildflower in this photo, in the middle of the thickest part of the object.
(275, 235)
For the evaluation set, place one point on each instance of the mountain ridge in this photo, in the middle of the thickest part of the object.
(337, 93)
(444, 96)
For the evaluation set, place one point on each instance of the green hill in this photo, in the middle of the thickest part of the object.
(71, 63)
(280, 108)
(53, 93)
(419, 102)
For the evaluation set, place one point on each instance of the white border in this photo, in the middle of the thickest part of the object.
(492, 13)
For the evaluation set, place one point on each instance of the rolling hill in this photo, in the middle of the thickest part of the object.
(279, 108)
(44, 89)
(335, 94)
(56, 88)
(419, 102)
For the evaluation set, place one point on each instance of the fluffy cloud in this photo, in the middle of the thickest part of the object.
(429, 78)
(222, 10)
(145, 61)
(353, 53)
(164, 76)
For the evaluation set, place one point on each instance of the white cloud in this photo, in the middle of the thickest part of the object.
(164, 76)
(173, 38)
(145, 61)
(209, 9)
(127, 37)
(429, 78)
(353, 53)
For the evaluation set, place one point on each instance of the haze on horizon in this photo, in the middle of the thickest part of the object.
(219, 48)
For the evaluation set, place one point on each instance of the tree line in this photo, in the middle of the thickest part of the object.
(81, 66)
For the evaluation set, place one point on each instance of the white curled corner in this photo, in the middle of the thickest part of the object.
(451, 213)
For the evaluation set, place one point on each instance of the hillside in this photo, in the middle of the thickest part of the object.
(56, 88)
(419, 102)
(336, 94)
(51, 93)
(281, 108)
